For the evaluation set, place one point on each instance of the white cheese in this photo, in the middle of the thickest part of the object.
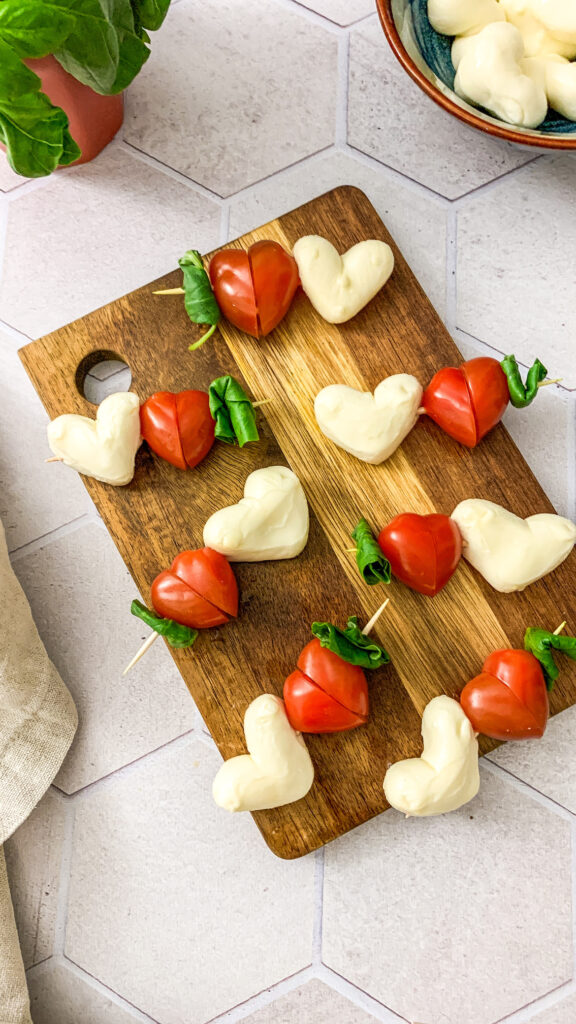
(269, 522)
(369, 426)
(547, 26)
(508, 551)
(104, 448)
(446, 775)
(462, 17)
(491, 71)
(277, 770)
(340, 286)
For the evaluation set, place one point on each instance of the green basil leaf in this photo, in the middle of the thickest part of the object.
(350, 644)
(541, 644)
(233, 412)
(35, 132)
(522, 394)
(151, 13)
(132, 55)
(34, 28)
(199, 298)
(92, 50)
(372, 565)
(176, 634)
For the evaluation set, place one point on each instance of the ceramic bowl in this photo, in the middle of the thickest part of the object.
(425, 55)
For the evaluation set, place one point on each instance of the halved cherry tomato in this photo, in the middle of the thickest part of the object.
(468, 400)
(254, 288)
(508, 700)
(178, 427)
(325, 693)
(199, 589)
(423, 551)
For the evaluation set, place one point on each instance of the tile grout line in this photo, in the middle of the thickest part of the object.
(533, 1009)
(224, 232)
(399, 176)
(359, 997)
(170, 172)
(264, 998)
(466, 336)
(113, 997)
(528, 790)
(318, 908)
(130, 766)
(65, 878)
(307, 14)
(341, 113)
(363, 17)
(488, 186)
(13, 332)
(53, 535)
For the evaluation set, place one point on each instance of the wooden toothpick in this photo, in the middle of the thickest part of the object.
(140, 654)
(169, 291)
(54, 458)
(560, 628)
(545, 383)
(370, 625)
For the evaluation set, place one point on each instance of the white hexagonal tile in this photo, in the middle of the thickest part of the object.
(60, 995)
(516, 256)
(234, 92)
(33, 861)
(30, 504)
(343, 12)
(547, 764)
(391, 119)
(416, 221)
(98, 231)
(80, 593)
(188, 886)
(315, 1002)
(467, 898)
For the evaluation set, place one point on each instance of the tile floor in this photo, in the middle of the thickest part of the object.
(137, 901)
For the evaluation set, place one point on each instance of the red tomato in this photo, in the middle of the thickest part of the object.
(254, 288)
(199, 590)
(508, 700)
(178, 427)
(467, 401)
(325, 693)
(423, 551)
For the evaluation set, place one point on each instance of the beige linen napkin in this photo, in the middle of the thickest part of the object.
(37, 724)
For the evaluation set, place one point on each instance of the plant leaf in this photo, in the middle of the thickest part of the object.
(92, 50)
(372, 565)
(541, 644)
(351, 644)
(233, 412)
(35, 132)
(151, 12)
(199, 298)
(176, 634)
(522, 394)
(33, 28)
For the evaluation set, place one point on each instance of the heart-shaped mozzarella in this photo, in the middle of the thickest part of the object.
(510, 552)
(340, 286)
(276, 771)
(446, 775)
(369, 426)
(104, 448)
(269, 522)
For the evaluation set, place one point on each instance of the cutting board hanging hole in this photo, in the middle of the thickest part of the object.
(101, 374)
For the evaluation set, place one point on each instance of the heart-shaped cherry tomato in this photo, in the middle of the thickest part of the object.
(178, 427)
(468, 400)
(198, 590)
(254, 288)
(508, 700)
(423, 551)
(325, 693)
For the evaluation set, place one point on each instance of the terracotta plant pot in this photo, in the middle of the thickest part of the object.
(94, 119)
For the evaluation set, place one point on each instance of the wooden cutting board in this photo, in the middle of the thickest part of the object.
(436, 644)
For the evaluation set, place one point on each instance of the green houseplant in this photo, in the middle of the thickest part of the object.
(103, 44)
